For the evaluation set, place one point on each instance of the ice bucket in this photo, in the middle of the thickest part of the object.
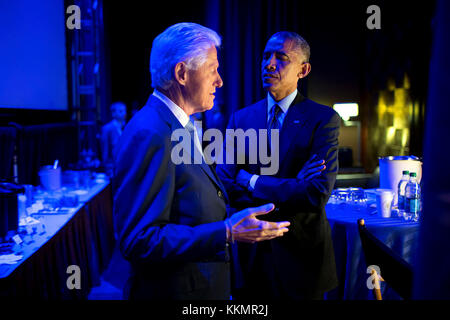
(391, 168)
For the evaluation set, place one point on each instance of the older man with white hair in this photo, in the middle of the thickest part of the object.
(171, 218)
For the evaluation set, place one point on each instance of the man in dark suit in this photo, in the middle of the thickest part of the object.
(301, 264)
(170, 215)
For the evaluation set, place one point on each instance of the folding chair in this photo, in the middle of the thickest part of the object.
(395, 271)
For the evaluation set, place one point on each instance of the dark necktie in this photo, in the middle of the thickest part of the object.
(274, 122)
(195, 147)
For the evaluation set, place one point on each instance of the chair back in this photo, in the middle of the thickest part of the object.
(393, 268)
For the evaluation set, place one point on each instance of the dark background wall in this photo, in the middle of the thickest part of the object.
(129, 32)
(350, 63)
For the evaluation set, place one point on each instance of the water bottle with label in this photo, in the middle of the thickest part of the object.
(401, 193)
(412, 198)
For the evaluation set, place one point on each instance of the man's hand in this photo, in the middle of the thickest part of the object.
(311, 169)
(245, 227)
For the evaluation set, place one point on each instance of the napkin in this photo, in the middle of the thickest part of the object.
(10, 258)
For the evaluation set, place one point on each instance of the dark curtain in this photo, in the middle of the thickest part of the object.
(7, 142)
(401, 47)
(245, 27)
(432, 279)
(41, 145)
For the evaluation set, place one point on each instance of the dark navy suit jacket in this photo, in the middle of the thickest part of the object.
(169, 218)
(303, 258)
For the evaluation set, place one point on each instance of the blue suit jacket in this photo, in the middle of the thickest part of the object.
(169, 218)
(303, 257)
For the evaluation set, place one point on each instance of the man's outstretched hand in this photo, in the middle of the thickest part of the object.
(245, 227)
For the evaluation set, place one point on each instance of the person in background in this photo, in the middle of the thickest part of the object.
(111, 133)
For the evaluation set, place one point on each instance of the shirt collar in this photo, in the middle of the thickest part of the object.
(176, 110)
(284, 103)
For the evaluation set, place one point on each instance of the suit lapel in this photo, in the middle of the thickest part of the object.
(259, 118)
(174, 124)
(210, 172)
(217, 180)
(294, 120)
(256, 119)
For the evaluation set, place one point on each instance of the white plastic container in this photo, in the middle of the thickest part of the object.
(384, 202)
(50, 178)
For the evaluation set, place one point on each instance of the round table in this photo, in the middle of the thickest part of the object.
(401, 236)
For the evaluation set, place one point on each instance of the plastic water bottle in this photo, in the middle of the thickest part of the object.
(22, 209)
(401, 193)
(412, 201)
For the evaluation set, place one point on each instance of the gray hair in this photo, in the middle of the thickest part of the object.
(300, 44)
(186, 41)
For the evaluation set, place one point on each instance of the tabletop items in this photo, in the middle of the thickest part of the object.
(401, 192)
(409, 195)
(392, 167)
(381, 201)
(356, 196)
(84, 237)
(21, 205)
(60, 190)
(384, 201)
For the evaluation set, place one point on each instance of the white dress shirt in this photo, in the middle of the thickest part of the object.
(284, 105)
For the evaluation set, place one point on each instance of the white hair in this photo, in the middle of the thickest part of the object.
(187, 42)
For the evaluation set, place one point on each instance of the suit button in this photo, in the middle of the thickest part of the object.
(220, 194)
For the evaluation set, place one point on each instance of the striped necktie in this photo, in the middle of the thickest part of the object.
(274, 121)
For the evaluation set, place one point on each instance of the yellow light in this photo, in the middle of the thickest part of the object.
(390, 135)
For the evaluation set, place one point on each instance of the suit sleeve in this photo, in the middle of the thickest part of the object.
(143, 202)
(309, 195)
(227, 172)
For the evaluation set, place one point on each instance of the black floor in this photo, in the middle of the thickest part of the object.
(113, 279)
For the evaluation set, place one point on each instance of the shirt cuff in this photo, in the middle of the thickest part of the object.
(253, 181)
(229, 236)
